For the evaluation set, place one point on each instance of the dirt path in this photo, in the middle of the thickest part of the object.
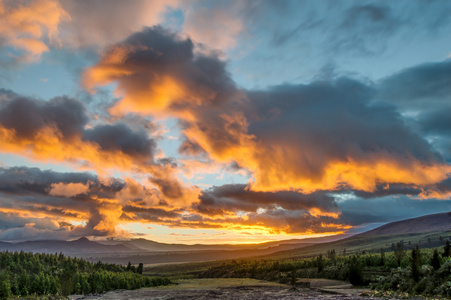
(234, 288)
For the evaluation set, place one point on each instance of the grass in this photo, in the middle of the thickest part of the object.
(212, 283)
(181, 271)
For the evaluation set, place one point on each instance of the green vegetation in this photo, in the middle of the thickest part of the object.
(417, 271)
(360, 243)
(23, 274)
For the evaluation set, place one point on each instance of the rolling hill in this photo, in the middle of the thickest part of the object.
(426, 231)
(82, 245)
(429, 223)
(151, 252)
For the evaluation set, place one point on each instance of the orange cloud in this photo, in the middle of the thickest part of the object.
(27, 26)
(68, 189)
(48, 145)
(316, 212)
(434, 194)
(362, 175)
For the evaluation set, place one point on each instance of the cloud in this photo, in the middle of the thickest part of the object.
(300, 144)
(237, 197)
(81, 204)
(41, 204)
(156, 71)
(365, 26)
(277, 212)
(92, 24)
(325, 135)
(357, 211)
(31, 26)
(319, 136)
(418, 88)
(328, 134)
(57, 130)
(67, 204)
(216, 25)
(68, 189)
(422, 94)
(119, 137)
(27, 116)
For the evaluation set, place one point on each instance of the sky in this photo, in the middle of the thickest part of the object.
(221, 121)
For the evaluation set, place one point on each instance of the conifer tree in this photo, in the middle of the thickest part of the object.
(435, 262)
(399, 253)
(140, 268)
(382, 261)
(416, 263)
(446, 250)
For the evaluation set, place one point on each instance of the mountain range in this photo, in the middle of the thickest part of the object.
(152, 252)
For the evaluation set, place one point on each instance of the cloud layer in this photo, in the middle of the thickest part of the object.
(323, 135)
(316, 155)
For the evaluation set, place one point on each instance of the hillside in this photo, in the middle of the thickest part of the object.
(152, 246)
(429, 223)
(426, 231)
(151, 252)
(142, 246)
(82, 245)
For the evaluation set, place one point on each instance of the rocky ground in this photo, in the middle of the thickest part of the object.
(235, 288)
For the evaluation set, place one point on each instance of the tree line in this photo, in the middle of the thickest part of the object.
(23, 274)
(416, 271)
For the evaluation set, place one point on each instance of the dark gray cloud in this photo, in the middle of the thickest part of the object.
(423, 94)
(437, 121)
(119, 137)
(388, 190)
(25, 181)
(357, 211)
(237, 197)
(149, 214)
(28, 116)
(333, 120)
(422, 87)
